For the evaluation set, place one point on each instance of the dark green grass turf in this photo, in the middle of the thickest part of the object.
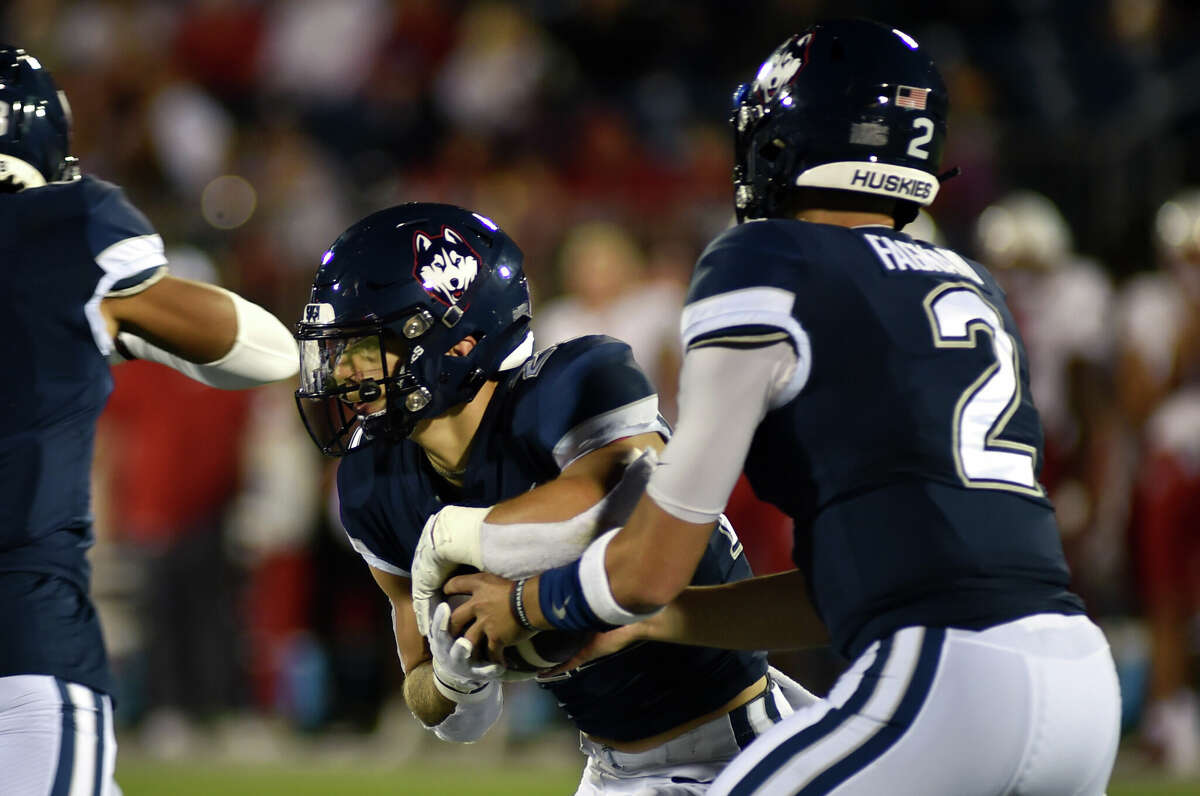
(143, 778)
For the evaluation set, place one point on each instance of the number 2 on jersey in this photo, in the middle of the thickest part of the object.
(957, 316)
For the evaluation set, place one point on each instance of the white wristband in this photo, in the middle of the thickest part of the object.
(593, 577)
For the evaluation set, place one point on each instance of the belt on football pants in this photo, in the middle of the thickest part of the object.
(719, 739)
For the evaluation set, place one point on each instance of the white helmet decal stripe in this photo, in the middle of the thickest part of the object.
(318, 313)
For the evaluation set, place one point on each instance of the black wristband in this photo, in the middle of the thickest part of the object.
(516, 601)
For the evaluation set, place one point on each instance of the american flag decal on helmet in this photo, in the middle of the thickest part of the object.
(911, 97)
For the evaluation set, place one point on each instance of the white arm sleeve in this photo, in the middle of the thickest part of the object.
(264, 351)
(723, 395)
(519, 550)
(470, 721)
(523, 549)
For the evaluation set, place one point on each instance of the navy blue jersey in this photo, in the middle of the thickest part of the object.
(562, 403)
(907, 446)
(64, 246)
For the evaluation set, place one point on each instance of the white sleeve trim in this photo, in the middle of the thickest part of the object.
(131, 255)
(375, 561)
(120, 260)
(639, 417)
(158, 275)
(718, 416)
(753, 306)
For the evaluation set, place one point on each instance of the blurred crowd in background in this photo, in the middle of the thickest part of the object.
(252, 132)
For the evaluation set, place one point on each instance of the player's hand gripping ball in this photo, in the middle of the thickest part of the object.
(543, 650)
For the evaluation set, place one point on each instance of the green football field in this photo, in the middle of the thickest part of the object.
(401, 759)
(143, 778)
(192, 779)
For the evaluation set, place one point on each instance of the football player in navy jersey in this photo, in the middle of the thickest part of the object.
(417, 366)
(875, 388)
(87, 285)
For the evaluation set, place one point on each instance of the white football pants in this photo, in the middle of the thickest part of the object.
(687, 765)
(56, 738)
(1029, 707)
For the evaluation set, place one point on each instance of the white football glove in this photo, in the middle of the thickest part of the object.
(450, 538)
(796, 695)
(456, 676)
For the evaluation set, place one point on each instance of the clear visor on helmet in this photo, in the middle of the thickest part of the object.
(343, 382)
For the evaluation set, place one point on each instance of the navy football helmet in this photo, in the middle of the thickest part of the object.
(394, 293)
(847, 104)
(35, 123)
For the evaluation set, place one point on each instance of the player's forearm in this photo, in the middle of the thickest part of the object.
(768, 612)
(196, 321)
(520, 536)
(553, 501)
(456, 711)
(420, 693)
(623, 575)
(579, 487)
(423, 698)
(654, 557)
(207, 333)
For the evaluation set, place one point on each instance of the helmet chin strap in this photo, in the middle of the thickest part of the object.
(949, 174)
(375, 426)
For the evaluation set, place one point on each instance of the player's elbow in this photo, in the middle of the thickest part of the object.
(642, 587)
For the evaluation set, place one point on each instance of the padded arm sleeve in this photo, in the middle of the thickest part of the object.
(522, 549)
(718, 415)
(263, 352)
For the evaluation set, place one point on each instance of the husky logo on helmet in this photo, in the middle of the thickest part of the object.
(780, 68)
(445, 269)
